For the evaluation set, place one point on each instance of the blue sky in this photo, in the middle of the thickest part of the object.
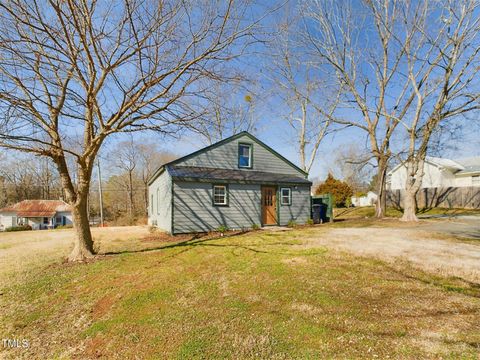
(273, 133)
(271, 113)
(274, 130)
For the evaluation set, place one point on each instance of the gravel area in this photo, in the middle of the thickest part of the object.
(449, 247)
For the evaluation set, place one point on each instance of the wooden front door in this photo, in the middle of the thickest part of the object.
(269, 205)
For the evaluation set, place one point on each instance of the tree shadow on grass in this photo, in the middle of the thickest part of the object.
(206, 241)
(452, 284)
(395, 334)
(195, 240)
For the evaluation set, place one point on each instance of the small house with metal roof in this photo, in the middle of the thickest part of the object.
(39, 214)
(236, 183)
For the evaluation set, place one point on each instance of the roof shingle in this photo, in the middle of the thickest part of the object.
(37, 208)
(191, 173)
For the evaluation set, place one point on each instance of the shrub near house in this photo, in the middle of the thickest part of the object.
(340, 191)
(18, 228)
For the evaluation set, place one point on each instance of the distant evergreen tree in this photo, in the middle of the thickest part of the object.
(340, 190)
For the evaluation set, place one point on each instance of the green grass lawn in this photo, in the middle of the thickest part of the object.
(258, 295)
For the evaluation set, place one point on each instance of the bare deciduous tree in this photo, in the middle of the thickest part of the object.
(359, 46)
(442, 62)
(28, 177)
(352, 164)
(150, 157)
(401, 62)
(135, 161)
(73, 73)
(126, 157)
(230, 110)
(311, 100)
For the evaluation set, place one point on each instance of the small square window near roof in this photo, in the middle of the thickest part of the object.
(245, 155)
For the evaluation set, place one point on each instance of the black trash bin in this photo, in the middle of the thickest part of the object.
(322, 208)
(323, 213)
(319, 213)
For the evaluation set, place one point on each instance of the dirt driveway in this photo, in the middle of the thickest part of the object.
(449, 247)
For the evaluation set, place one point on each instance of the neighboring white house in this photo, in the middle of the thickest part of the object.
(440, 173)
(367, 200)
(39, 214)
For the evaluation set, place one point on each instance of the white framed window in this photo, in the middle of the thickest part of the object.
(46, 221)
(286, 196)
(245, 156)
(476, 180)
(220, 195)
(158, 201)
(151, 204)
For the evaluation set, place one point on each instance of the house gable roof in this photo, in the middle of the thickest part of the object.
(470, 165)
(220, 143)
(193, 173)
(445, 163)
(37, 208)
(435, 161)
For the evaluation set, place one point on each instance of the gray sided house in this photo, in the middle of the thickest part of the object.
(238, 182)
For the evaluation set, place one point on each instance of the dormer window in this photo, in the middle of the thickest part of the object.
(245, 156)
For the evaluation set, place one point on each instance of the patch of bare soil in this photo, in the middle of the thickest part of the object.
(102, 306)
(423, 247)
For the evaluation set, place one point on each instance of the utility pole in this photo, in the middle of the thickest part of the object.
(100, 195)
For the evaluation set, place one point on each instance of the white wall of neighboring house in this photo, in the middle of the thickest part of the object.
(435, 176)
(68, 217)
(7, 220)
(367, 200)
(468, 180)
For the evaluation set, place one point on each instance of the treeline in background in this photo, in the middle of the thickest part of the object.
(125, 169)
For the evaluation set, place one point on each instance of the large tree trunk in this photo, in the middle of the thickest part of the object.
(381, 204)
(77, 198)
(83, 248)
(410, 205)
(413, 183)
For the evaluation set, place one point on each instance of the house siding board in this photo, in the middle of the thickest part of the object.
(225, 156)
(194, 211)
(161, 189)
(299, 210)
